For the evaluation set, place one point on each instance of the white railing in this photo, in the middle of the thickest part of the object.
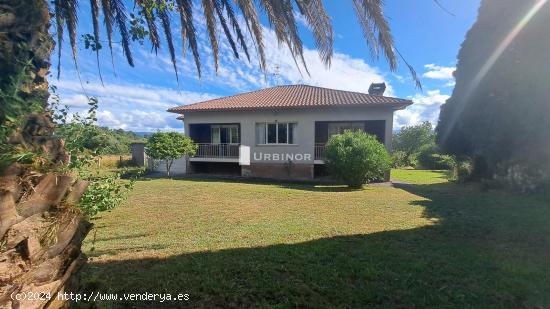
(217, 151)
(319, 151)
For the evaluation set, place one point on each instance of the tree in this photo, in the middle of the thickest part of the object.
(356, 158)
(497, 112)
(32, 156)
(100, 140)
(412, 138)
(168, 146)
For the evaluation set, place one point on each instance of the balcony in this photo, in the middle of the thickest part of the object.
(319, 153)
(216, 153)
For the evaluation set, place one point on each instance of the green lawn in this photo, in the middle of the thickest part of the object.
(425, 243)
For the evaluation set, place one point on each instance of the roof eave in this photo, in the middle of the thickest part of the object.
(395, 106)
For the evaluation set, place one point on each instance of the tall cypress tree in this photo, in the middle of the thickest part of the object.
(499, 112)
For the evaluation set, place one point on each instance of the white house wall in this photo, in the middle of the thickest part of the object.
(305, 128)
(179, 166)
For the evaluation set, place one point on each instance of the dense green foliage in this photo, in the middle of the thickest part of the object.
(498, 113)
(399, 159)
(100, 140)
(415, 146)
(168, 146)
(463, 171)
(15, 107)
(105, 191)
(411, 138)
(429, 157)
(356, 158)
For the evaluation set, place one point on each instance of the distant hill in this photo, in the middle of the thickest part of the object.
(101, 139)
(143, 134)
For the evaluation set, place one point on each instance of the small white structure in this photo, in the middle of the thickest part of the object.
(179, 166)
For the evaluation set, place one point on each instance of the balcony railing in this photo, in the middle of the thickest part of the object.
(319, 151)
(217, 151)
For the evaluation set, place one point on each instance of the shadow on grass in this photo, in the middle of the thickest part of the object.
(487, 250)
(306, 185)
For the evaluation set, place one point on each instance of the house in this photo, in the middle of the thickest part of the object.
(280, 132)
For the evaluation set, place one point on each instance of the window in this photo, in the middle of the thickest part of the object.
(339, 127)
(225, 134)
(275, 133)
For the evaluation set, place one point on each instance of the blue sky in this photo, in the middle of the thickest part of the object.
(137, 98)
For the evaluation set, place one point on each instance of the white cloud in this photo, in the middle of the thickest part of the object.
(425, 108)
(140, 106)
(301, 20)
(430, 98)
(439, 72)
(345, 72)
(451, 83)
(129, 107)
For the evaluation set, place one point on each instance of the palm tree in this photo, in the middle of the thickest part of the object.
(280, 13)
(40, 233)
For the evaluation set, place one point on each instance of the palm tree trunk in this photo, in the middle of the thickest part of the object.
(41, 231)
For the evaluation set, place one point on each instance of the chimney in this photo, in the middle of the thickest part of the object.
(377, 88)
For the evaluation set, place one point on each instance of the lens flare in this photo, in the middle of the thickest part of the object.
(474, 83)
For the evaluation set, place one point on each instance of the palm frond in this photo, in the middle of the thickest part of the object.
(321, 26)
(208, 9)
(108, 19)
(250, 16)
(294, 41)
(183, 27)
(236, 27)
(367, 27)
(71, 20)
(59, 26)
(188, 30)
(218, 8)
(370, 14)
(147, 12)
(280, 15)
(414, 76)
(371, 17)
(119, 11)
(165, 19)
(94, 4)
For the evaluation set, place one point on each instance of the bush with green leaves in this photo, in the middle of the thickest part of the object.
(399, 159)
(411, 139)
(430, 157)
(104, 192)
(463, 170)
(169, 146)
(357, 158)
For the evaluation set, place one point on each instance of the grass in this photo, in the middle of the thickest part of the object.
(420, 176)
(428, 243)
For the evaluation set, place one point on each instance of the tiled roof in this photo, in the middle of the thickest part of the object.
(292, 96)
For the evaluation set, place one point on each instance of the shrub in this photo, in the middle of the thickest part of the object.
(410, 139)
(463, 170)
(399, 159)
(444, 162)
(104, 193)
(357, 158)
(429, 157)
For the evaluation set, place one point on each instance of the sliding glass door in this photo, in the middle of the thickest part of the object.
(225, 134)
